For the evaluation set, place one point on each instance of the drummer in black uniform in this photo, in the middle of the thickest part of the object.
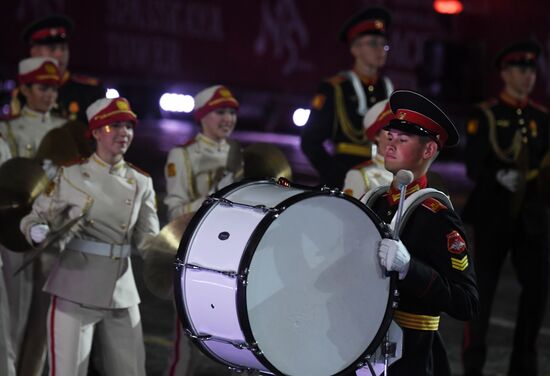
(338, 107)
(508, 137)
(432, 259)
(49, 37)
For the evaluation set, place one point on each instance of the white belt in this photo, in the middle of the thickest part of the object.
(100, 248)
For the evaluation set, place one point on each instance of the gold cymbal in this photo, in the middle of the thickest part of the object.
(158, 266)
(263, 160)
(65, 144)
(21, 181)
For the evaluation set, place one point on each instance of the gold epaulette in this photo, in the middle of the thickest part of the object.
(485, 105)
(79, 160)
(138, 169)
(86, 80)
(538, 106)
(337, 79)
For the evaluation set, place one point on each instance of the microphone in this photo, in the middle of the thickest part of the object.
(403, 178)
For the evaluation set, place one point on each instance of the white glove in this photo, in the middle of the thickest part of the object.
(509, 179)
(49, 168)
(39, 233)
(394, 256)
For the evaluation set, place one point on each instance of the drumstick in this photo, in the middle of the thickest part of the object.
(402, 178)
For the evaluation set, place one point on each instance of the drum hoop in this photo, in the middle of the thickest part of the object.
(180, 259)
(250, 249)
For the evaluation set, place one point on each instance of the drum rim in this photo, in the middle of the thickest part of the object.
(253, 242)
(181, 255)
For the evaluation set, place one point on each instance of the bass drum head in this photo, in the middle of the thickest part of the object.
(316, 297)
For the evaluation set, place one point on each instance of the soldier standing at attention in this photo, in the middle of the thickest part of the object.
(508, 137)
(94, 212)
(372, 173)
(39, 78)
(432, 256)
(50, 36)
(341, 102)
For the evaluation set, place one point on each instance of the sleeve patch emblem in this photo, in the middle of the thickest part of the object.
(318, 101)
(433, 205)
(460, 264)
(171, 170)
(472, 126)
(455, 243)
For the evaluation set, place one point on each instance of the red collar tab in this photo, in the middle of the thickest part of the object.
(49, 32)
(393, 194)
(511, 101)
(366, 26)
(424, 122)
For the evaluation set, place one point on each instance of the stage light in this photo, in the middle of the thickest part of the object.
(174, 102)
(448, 6)
(111, 93)
(300, 116)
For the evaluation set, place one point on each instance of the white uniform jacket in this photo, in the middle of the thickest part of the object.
(116, 205)
(366, 176)
(192, 172)
(24, 133)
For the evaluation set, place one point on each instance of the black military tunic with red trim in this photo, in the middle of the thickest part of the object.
(509, 117)
(75, 94)
(441, 278)
(334, 117)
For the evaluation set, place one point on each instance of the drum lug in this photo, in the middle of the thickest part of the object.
(395, 303)
(199, 337)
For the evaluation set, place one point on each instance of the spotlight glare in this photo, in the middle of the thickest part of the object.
(300, 116)
(174, 102)
(111, 93)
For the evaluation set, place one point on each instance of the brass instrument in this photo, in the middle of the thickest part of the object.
(22, 180)
(263, 160)
(158, 266)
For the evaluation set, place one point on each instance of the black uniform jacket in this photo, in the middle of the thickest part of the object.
(441, 278)
(334, 117)
(498, 130)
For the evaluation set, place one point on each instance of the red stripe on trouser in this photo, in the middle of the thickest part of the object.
(52, 337)
(176, 348)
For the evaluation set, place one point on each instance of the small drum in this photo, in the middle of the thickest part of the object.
(284, 280)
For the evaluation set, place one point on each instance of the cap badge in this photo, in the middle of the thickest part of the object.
(49, 68)
(225, 93)
(122, 105)
(53, 32)
(402, 116)
(378, 24)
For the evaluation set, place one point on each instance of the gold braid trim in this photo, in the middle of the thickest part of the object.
(189, 172)
(509, 155)
(356, 136)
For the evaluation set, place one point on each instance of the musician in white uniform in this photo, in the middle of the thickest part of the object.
(372, 173)
(95, 211)
(193, 171)
(39, 79)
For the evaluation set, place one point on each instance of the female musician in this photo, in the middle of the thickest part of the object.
(95, 211)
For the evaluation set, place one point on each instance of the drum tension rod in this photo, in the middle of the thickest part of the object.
(239, 345)
(230, 274)
(226, 202)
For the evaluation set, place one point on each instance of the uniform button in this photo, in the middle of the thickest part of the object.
(28, 147)
(373, 99)
(85, 174)
(524, 130)
(389, 213)
(128, 201)
(123, 226)
(90, 222)
(524, 139)
(370, 88)
(518, 111)
(521, 121)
